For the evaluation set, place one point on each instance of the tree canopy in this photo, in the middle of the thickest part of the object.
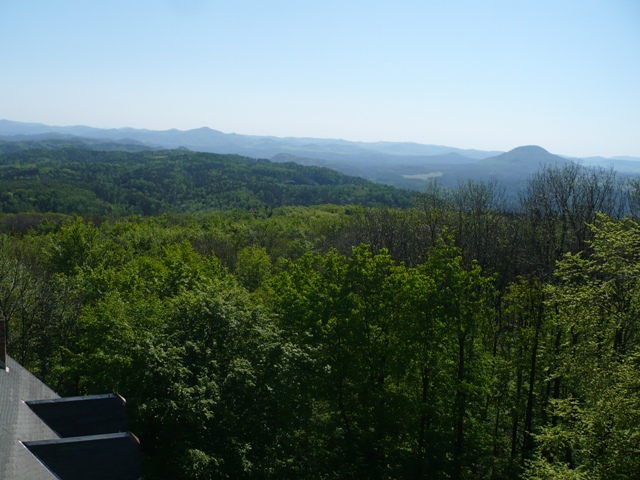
(450, 338)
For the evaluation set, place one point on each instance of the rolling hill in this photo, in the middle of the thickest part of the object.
(401, 164)
(150, 182)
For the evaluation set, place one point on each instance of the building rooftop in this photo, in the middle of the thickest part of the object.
(45, 437)
(18, 423)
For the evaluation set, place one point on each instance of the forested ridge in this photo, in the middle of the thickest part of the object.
(453, 336)
(85, 181)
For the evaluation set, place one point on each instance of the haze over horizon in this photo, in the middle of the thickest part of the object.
(479, 75)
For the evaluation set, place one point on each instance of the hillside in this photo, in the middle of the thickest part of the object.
(54, 142)
(83, 181)
(529, 158)
(208, 140)
(512, 168)
(404, 165)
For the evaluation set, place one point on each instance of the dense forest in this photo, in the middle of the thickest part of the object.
(85, 181)
(278, 321)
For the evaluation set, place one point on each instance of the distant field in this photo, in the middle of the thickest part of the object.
(424, 176)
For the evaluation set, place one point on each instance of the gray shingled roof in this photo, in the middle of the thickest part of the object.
(96, 457)
(18, 423)
(82, 416)
(45, 437)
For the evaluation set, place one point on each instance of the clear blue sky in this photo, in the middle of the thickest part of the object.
(490, 75)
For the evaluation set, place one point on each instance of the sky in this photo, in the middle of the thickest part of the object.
(489, 75)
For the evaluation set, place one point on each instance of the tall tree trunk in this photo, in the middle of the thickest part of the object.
(527, 447)
(460, 409)
(516, 411)
(424, 422)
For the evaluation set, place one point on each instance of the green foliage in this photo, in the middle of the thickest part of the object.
(261, 344)
(203, 367)
(386, 341)
(595, 422)
(114, 183)
(253, 267)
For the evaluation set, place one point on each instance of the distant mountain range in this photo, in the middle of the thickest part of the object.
(402, 164)
(208, 140)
